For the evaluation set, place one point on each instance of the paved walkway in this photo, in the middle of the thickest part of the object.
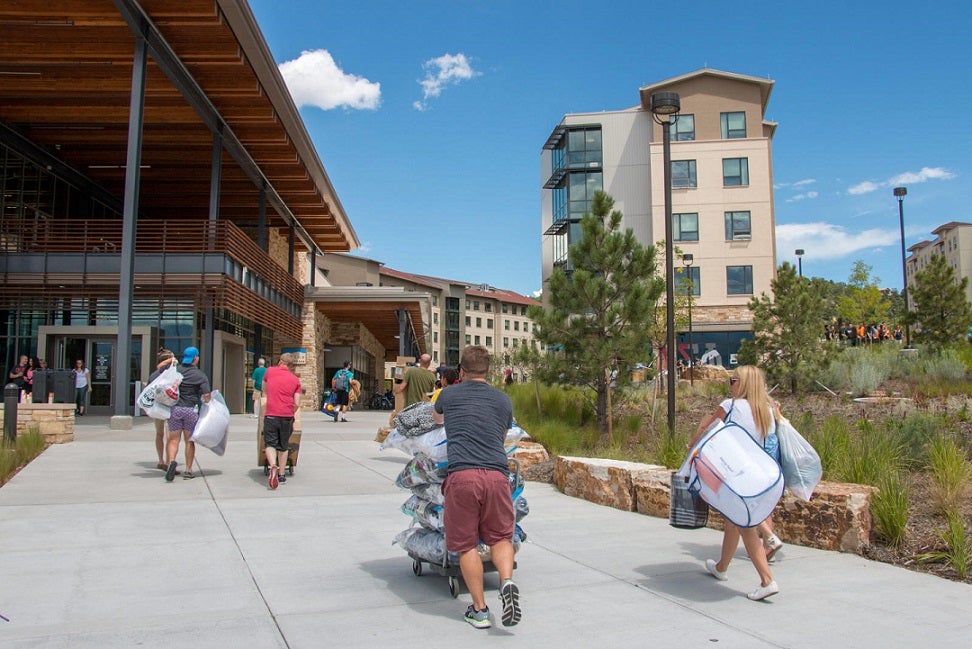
(97, 550)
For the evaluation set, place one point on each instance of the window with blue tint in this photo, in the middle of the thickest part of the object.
(684, 173)
(584, 147)
(735, 171)
(733, 125)
(738, 226)
(683, 129)
(688, 277)
(685, 227)
(581, 188)
(739, 280)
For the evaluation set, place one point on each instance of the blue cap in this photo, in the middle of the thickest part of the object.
(189, 355)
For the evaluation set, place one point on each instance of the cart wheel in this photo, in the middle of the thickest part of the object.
(454, 586)
(266, 469)
(417, 567)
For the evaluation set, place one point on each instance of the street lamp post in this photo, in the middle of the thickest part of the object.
(900, 193)
(799, 253)
(687, 259)
(668, 104)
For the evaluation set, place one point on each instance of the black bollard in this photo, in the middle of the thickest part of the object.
(11, 399)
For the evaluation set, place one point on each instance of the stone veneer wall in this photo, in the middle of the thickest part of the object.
(55, 421)
(838, 517)
(722, 314)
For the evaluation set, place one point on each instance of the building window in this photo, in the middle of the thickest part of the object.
(685, 227)
(506, 342)
(580, 194)
(735, 171)
(506, 325)
(687, 274)
(516, 341)
(733, 126)
(516, 325)
(468, 321)
(467, 339)
(489, 341)
(683, 173)
(505, 307)
(479, 323)
(489, 323)
(522, 310)
(435, 318)
(488, 307)
(739, 280)
(738, 226)
(435, 300)
(684, 128)
(467, 305)
(584, 148)
(475, 305)
(435, 337)
(476, 340)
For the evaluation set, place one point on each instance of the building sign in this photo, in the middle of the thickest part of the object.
(299, 354)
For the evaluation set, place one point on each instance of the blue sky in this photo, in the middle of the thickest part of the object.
(430, 116)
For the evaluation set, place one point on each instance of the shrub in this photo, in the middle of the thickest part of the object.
(958, 552)
(874, 454)
(889, 508)
(832, 443)
(670, 450)
(945, 366)
(950, 471)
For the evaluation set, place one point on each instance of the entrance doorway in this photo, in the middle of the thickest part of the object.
(97, 347)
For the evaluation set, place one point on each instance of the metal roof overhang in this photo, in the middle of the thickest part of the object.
(65, 86)
(376, 308)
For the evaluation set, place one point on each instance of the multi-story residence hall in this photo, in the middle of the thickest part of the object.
(954, 240)
(722, 193)
(159, 189)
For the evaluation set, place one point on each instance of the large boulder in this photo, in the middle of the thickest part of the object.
(601, 481)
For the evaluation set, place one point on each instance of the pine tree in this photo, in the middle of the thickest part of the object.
(600, 310)
(940, 306)
(786, 329)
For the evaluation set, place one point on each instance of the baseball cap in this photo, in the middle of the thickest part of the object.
(189, 355)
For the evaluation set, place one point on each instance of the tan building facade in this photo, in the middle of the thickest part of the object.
(722, 193)
(954, 240)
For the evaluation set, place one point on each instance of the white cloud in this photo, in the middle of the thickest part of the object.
(448, 69)
(801, 183)
(906, 178)
(314, 79)
(829, 241)
(800, 197)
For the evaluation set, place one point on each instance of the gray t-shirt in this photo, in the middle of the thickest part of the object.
(477, 417)
(194, 385)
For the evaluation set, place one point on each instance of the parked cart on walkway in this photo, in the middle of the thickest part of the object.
(293, 446)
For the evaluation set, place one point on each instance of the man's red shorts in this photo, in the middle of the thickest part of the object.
(478, 507)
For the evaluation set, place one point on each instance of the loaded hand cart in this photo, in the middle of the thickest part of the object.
(293, 446)
(449, 566)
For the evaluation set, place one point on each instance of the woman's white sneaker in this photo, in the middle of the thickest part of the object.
(764, 591)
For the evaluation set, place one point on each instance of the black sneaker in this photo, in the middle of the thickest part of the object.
(479, 619)
(281, 478)
(171, 471)
(510, 597)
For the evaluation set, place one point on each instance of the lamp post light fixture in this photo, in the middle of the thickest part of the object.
(668, 104)
(687, 259)
(900, 193)
(799, 253)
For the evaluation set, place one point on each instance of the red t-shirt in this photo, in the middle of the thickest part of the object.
(279, 387)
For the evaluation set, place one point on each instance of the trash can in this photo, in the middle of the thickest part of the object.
(63, 386)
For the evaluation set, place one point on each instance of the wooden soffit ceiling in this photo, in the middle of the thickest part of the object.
(378, 313)
(65, 84)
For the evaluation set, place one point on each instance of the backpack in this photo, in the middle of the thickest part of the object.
(341, 380)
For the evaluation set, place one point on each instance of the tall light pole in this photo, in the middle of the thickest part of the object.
(799, 253)
(668, 104)
(687, 259)
(900, 193)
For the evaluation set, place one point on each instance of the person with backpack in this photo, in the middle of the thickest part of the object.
(341, 383)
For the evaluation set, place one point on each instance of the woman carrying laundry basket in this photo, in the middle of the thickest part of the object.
(750, 408)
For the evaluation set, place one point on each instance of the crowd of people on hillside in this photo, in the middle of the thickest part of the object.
(863, 334)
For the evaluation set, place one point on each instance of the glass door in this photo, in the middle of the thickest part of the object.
(102, 356)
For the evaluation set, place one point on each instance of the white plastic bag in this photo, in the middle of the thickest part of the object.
(801, 464)
(160, 395)
(213, 425)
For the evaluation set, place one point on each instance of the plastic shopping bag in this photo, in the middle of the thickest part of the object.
(213, 425)
(801, 464)
(160, 395)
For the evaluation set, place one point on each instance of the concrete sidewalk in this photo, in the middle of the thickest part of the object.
(97, 550)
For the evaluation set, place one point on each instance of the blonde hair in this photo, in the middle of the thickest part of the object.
(752, 388)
